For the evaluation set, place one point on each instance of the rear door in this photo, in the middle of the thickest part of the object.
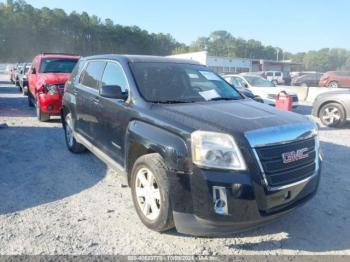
(115, 115)
(87, 102)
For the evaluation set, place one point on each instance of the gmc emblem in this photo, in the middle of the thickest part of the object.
(293, 156)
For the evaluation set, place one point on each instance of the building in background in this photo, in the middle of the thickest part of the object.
(226, 65)
(271, 65)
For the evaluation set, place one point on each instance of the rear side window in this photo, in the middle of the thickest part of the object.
(91, 77)
(278, 74)
(114, 76)
(269, 74)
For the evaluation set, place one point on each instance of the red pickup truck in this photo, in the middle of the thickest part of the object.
(46, 80)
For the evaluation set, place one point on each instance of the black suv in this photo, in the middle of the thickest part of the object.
(196, 153)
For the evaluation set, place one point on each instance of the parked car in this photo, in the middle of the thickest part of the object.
(196, 153)
(307, 79)
(278, 77)
(335, 79)
(23, 79)
(261, 87)
(16, 74)
(13, 72)
(46, 80)
(332, 108)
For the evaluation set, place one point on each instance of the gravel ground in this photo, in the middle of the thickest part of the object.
(54, 202)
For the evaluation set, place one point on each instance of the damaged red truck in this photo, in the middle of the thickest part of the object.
(46, 80)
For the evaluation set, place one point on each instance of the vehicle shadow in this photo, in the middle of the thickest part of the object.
(303, 109)
(31, 161)
(9, 89)
(15, 107)
(321, 225)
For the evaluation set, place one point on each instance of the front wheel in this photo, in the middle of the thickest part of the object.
(30, 100)
(150, 193)
(42, 117)
(332, 115)
(333, 84)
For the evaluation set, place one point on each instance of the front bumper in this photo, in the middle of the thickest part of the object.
(249, 204)
(50, 104)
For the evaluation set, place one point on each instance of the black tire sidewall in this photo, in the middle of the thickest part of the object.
(165, 220)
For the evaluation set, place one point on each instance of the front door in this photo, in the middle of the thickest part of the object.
(115, 115)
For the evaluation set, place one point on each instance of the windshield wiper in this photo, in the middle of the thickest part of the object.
(172, 102)
(223, 98)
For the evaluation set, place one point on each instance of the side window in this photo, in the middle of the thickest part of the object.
(237, 82)
(114, 76)
(278, 74)
(269, 74)
(91, 77)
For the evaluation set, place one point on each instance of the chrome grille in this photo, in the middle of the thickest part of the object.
(278, 173)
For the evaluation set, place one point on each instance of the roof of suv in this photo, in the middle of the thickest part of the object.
(54, 55)
(143, 58)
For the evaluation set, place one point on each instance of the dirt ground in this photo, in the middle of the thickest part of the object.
(54, 202)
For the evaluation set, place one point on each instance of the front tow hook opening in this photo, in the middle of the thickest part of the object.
(220, 200)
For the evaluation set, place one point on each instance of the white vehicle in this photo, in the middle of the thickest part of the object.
(277, 77)
(260, 87)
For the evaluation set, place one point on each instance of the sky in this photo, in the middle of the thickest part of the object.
(293, 25)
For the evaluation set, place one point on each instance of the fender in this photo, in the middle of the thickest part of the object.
(142, 138)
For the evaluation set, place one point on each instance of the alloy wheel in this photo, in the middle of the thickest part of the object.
(147, 193)
(331, 115)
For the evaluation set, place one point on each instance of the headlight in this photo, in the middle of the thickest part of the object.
(271, 96)
(216, 150)
(51, 89)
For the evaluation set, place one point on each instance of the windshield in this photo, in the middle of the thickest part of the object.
(180, 83)
(258, 81)
(57, 65)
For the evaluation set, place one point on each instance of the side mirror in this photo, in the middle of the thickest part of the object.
(246, 85)
(33, 71)
(113, 92)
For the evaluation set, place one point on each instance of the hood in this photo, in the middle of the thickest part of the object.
(53, 78)
(235, 117)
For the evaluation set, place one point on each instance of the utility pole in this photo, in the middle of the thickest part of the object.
(277, 51)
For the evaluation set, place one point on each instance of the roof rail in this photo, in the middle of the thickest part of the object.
(45, 53)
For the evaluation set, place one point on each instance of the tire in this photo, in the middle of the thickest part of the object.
(25, 90)
(147, 166)
(30, 100)
(42, 117)
(333, 84)
(332, 115)
(72, 144)
(274, 82)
